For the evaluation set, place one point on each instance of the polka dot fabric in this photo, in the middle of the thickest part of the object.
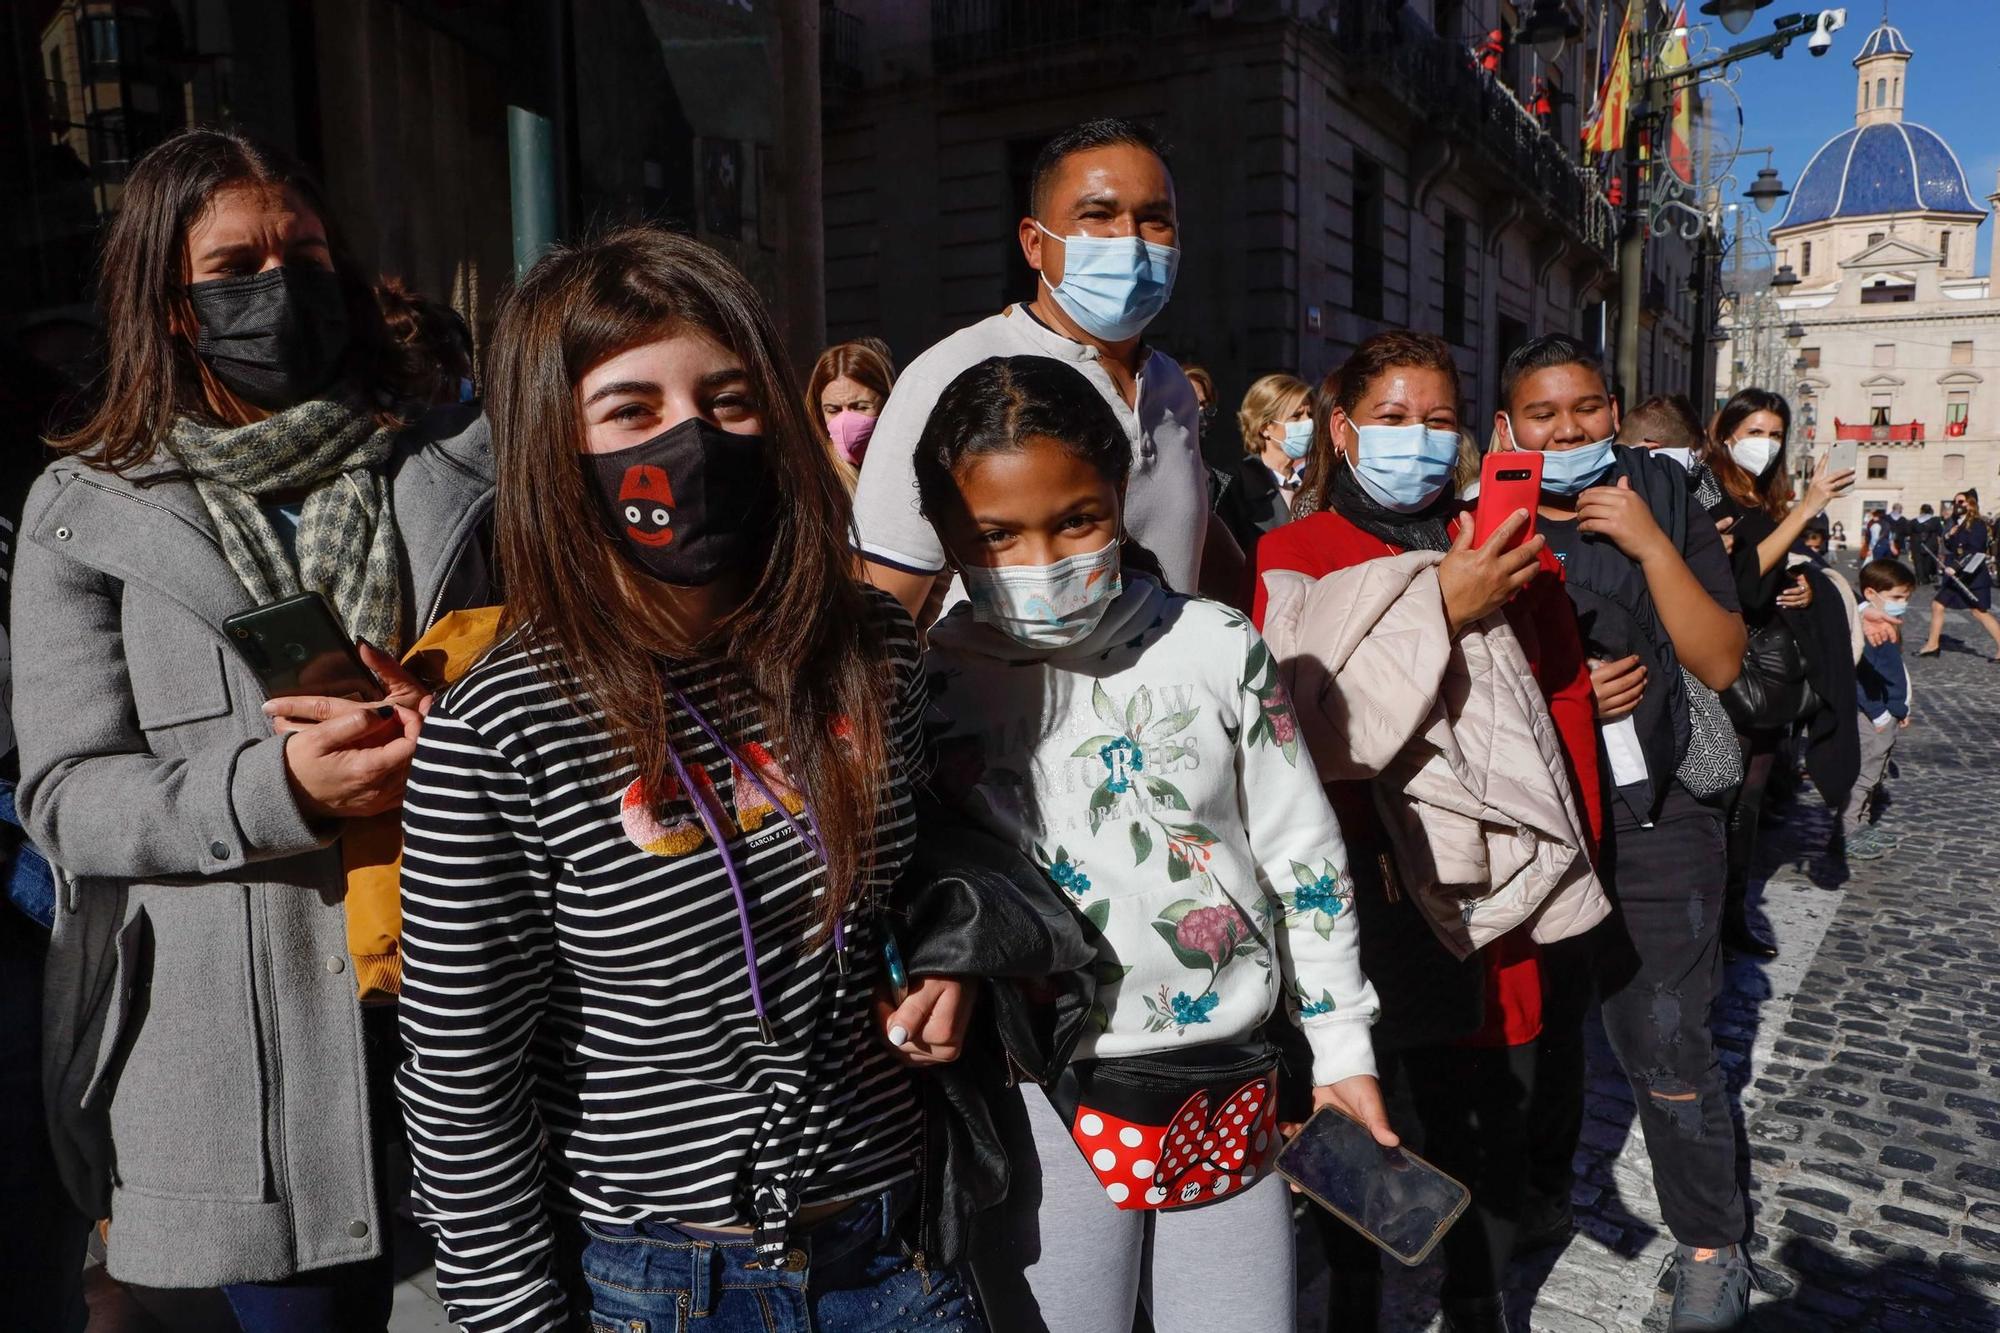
(1205, 1151)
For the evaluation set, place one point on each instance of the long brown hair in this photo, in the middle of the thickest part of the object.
(804, 637)
(1773, 495)
(151, 374)
(866, 362)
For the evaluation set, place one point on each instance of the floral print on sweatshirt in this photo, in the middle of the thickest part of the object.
(1155, 771)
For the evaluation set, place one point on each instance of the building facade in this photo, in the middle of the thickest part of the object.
(1892, 341)
(700, 114)
(1341, 168)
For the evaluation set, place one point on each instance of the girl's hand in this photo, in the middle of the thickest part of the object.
(354, 764)
(1798, 596)
(1826, 486)
(1359, 1098)
(1475, 582)
(399, 687)
(928, 1027)
(1619, 513)
(1617, 687)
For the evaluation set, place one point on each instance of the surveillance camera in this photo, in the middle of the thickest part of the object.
(1830, 21)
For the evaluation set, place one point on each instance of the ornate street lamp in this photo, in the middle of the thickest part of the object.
(1735, 14)
(1795, 331)
(1785, 279)
(1766, 190)
(1551, 28)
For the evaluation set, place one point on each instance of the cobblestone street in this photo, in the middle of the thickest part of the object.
(1867, 1058)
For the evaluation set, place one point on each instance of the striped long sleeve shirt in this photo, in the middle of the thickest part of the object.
(576, 997)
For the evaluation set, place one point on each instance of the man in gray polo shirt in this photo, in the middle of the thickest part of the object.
(1103, 239)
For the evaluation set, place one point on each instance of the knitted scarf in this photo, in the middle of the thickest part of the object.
(336, 455)
(1425, 530)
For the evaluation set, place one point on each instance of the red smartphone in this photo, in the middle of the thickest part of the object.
(1508, 480)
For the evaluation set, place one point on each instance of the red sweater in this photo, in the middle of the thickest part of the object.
(1545, 622)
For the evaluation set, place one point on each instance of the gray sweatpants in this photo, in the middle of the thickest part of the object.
(1060, 1257)
(1875, 747)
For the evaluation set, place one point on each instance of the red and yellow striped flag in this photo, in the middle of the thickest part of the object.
(1606, 131)
(1680, 129)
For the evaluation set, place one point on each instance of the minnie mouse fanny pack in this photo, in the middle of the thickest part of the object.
(1175, 1129)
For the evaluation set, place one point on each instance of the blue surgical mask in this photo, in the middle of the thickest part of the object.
(1298, 438)
(1894, 610)
(1404, 468)
(1112, 286)
(1569, 471)
(1046, 606)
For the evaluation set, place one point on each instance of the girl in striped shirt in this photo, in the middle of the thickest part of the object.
(645, 843)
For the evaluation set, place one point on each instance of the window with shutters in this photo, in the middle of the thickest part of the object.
(1878, 467)
(1454, 278)
(1368, 224)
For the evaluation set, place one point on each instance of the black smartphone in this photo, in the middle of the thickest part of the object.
(297, 646)
(1394, 1198)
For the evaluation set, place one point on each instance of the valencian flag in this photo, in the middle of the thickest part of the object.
(1605, 131)
(1680, 130)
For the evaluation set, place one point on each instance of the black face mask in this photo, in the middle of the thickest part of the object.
(687, 505)
(276, 337)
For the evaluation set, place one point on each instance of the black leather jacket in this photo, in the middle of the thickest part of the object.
(973, 906)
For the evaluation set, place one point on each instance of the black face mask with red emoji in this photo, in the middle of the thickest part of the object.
(687, 505)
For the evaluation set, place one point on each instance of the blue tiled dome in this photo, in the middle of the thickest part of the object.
(1893, 167)
(1884, 41)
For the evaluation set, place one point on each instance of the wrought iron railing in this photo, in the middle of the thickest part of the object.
(965, 32)
(1438, 81)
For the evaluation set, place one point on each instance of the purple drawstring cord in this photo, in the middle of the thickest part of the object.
(811, 839)
(736, 890)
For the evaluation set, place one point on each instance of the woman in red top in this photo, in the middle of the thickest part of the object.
(1455, 1043)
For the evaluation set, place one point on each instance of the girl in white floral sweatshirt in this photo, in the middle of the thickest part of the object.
(1138, 745)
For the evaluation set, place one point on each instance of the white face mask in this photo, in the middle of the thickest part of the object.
(1046, 606)
(1684, 457)
(1755, 453)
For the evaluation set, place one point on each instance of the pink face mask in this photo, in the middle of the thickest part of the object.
(850, 431)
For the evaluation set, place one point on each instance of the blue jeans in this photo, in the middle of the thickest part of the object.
(851, 1272)
(31, 885)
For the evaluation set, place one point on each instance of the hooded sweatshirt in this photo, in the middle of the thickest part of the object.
(1154, 770)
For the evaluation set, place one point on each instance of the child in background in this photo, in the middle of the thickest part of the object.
(1138, 744)
(1882, 691)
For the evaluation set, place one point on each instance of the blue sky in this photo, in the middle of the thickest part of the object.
(1798, 103)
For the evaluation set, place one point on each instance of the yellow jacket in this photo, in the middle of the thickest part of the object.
(372, 849)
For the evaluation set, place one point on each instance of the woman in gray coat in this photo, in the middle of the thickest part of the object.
(217, 1089)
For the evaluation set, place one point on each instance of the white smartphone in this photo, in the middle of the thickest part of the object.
(1841, 456)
